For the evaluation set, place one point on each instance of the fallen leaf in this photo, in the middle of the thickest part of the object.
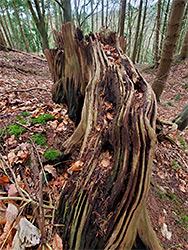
(53, 124)
(76, 166)
(12, 190)
(4, 180)
(2, 213)
(109, 116)
(164, 230)
(105, 162)
(57, 243)
(50, 169)
(11, 157)
(27, 235)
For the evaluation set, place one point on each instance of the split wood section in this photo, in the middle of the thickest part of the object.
(103, 205)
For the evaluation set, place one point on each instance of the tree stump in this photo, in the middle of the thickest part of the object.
(103, 205)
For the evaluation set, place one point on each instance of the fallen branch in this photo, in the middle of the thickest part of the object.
(23, 90)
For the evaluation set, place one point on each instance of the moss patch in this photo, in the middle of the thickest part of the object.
(16, 129)
(42, 119)
(51, 154)
(40, 139)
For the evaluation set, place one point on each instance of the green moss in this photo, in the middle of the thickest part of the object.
(170, 103)
(185, 76)
(25, 114)
(177, 97)
(42, 119)
(185, 218)
(40, 139)
(51, 154)
(16, 129)
(175, 165)
(185, 86)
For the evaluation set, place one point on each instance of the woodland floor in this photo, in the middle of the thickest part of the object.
(26, 133)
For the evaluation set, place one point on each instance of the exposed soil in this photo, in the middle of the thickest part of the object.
(167, 202)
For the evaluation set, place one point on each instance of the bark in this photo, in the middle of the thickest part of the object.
(137, 32)
(156, 57)
(169, 46)
(182, 119)
(102, 13)
(184, 51)
(103, 205)
(122, 17)
(106, 19)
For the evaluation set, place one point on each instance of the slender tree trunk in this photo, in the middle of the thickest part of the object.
(107, 6)
(30, 32)
(5, 32)
(172, 35)
(129, 28)
(20, 25)
(184, 50)
(141, 32)
(67, 11)
(156, 57)
(92, 17)
(102, 13)
(122, 17)
(3, 45)
(103, 205)
(137, 32)
(164, 27)
(7, 28)
(149, 41)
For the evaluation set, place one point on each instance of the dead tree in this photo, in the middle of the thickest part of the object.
(182, 119)
(103, 205)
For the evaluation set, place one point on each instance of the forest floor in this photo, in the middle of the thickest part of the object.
(32, 131)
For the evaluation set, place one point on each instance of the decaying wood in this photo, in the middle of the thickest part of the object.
(103, 205)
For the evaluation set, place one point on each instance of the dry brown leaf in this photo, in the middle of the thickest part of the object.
(11, 157)
(57, 243)
(12, 190)
(61, 127)
(109, 116)
(105, 162)
(50, 169)
(2, 213)
(4, 180)
(76, 166)
(53, 124)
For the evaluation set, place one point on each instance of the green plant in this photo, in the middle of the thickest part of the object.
(185, 76)
(175, 165)
(171, 196)
(170, 103)
(9, 57)
(51, 154)
(16, 129)
(19, 82)
(185, 218)
(43, 119)
(177, 97)
(185, 86)
(183, 142)
(25, 114)
(40, 139)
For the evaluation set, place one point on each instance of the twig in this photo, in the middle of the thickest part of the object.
(24, 126)
(23, 90)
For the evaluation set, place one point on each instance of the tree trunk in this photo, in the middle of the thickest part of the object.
(20, 25)
(142, 31)
(182, 119)
(156, 56)
(3, 45)
(137, 32)
(184, 51)
(5, 32)
(164, 27)
(169, 46)
(67, 11)
(103, 205)
(122, 17)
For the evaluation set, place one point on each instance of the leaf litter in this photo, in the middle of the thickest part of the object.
(28, 181)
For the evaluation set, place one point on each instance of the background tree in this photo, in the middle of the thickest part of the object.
(38, 13)
(137, 32)
(122, 17)
(184, 50)
(172, 35)
(156, 57)
(3, 45)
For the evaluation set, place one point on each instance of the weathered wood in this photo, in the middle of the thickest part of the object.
(103, 205)
(182, 119)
